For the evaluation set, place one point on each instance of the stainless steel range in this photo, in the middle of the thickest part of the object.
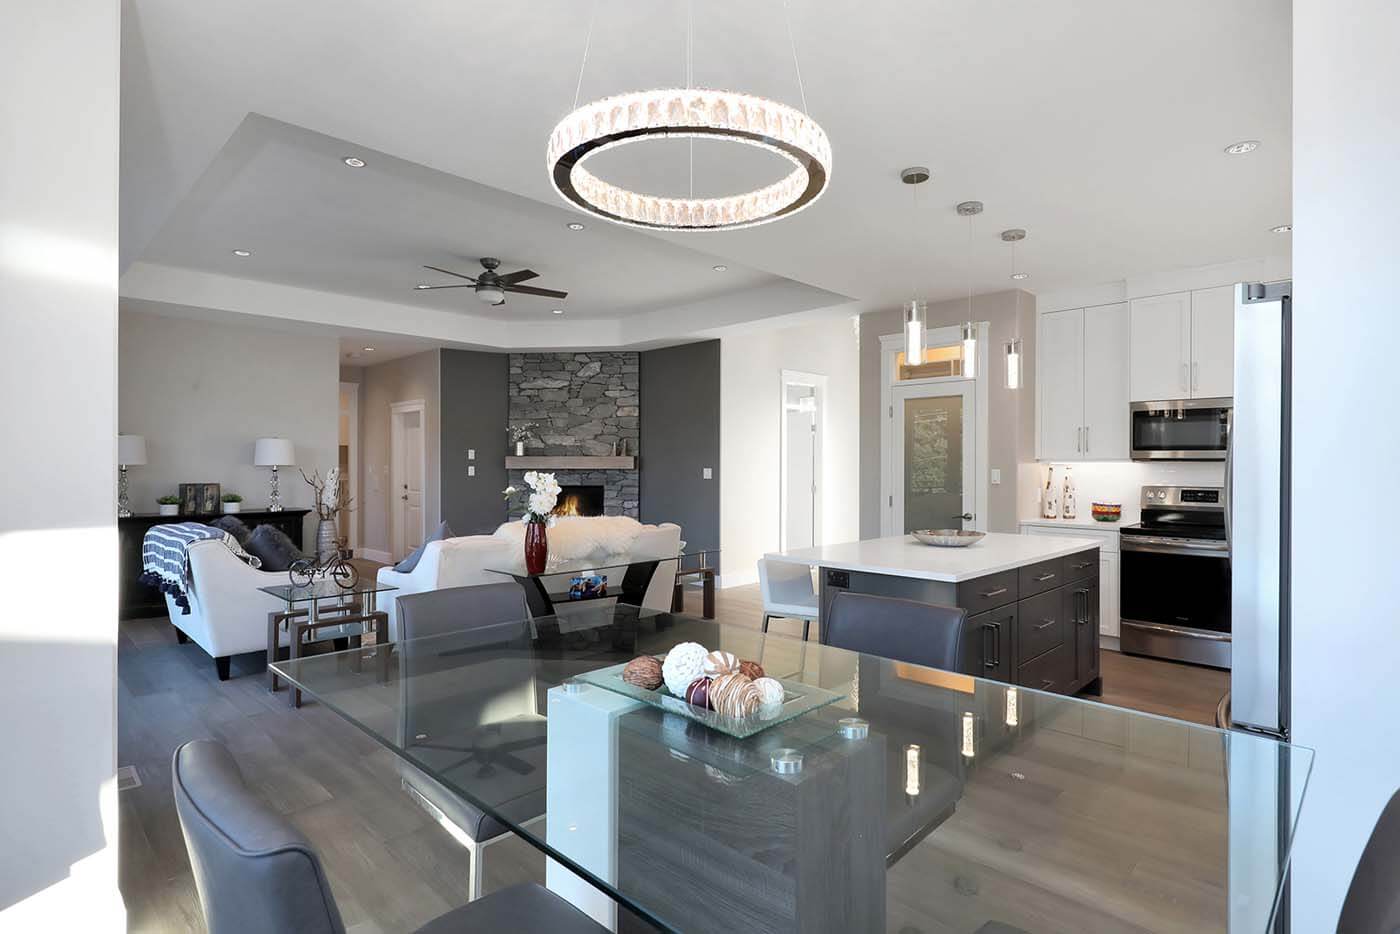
(1175, 585)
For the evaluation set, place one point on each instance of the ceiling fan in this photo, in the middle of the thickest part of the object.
(491, 287)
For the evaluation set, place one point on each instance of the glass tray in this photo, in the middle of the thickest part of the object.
(798, 699)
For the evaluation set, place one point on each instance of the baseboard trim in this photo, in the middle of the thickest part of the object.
(383, 557)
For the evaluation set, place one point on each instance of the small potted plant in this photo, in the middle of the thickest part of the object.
(169, 504)
(233, 502)
(519, 434)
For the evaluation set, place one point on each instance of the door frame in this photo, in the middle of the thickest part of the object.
(818, 383)
(353, 391)
(890, 345)
(396, 409)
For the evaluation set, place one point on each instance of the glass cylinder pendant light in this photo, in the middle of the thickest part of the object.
(969, 209)
(915, 313)
(969, 350)
(1013, 363)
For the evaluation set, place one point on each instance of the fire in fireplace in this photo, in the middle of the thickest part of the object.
(580, 501)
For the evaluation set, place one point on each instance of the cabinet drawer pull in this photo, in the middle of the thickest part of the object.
(1046, 685)
(995, 593)
(1045, 577)
(1081, 565)
(1045, 624)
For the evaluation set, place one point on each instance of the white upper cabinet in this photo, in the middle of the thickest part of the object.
(1059, 378)
(1106, 382)
(1082, 384)
(1160, 358)
(1213, 343)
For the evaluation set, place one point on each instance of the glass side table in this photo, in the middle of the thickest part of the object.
(322, 611)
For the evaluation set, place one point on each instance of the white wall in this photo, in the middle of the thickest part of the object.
(751, 368)
(1346, 624)
(202, 393)
(58, 319)
(415, 377)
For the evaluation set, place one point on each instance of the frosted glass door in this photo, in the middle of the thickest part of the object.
(933, 463)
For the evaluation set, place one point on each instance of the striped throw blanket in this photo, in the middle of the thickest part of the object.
(165, 562)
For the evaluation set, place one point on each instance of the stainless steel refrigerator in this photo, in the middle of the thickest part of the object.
(1257, 508)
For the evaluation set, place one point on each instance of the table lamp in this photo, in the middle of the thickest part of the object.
(131, 452)
(274, 453)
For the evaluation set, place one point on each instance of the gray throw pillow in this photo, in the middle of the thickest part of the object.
(411, 560)
(233, 526)
(273, 547)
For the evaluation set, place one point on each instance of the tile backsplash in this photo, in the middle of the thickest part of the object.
(1112, 482)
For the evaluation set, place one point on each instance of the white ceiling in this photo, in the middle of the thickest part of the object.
(1097, 125)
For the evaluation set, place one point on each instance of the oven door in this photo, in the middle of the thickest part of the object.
(1176, 599)
(1186, 429)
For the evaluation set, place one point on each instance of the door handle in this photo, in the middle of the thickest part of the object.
(967, 517)
(404, 497)
(1195, 374)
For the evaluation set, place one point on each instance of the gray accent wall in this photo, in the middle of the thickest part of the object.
(475, 408)
(680, 430)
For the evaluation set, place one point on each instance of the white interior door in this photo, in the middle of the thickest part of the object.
(800, 466)
(935, 456)
(409, 458)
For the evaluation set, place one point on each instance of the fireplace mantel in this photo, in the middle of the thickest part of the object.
(570, 462)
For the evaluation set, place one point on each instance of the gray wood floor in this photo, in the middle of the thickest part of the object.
(392, 869)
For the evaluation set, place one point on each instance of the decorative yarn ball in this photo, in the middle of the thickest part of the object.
(643, 672)
(698, 693)
(770, 691)
(733, 695)
(753, 669)
(684, 663)
(720, 663)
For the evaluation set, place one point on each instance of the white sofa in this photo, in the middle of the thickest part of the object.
(228, 614)
(595, 540)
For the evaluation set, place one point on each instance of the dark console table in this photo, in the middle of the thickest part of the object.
(138, 600)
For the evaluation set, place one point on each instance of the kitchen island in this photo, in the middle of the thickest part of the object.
(1032, 601)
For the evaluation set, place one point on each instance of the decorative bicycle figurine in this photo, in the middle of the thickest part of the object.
(305, 571)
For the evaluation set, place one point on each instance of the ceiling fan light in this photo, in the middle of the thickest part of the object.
(491, 295)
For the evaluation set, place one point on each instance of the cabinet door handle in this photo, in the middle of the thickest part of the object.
(1086, 439)
(1079, 439)
(1195, 374)
(1045, 624)
(1045, 577)
(1185, 376)
(995, 593)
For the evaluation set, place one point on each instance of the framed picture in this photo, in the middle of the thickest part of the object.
(199, 499)
(588, 588)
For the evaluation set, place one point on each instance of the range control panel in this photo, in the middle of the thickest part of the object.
(1202, 497)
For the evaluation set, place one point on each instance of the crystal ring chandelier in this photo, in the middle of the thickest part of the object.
(689, 113)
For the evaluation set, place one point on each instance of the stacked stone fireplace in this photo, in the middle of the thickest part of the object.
(582, 404)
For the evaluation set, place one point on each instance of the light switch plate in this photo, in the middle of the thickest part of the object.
(708, 473)
(471, 454)
(471, 471)
(996, 475)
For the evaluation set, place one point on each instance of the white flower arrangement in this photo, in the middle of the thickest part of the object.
(541, 498)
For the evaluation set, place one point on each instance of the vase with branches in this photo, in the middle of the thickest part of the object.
(332, 496)
(519, 434)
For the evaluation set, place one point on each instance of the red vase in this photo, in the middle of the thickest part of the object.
(536, 547)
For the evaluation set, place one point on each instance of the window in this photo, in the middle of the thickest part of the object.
(938, 361)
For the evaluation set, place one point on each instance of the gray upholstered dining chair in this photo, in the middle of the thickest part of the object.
(925, 634)
(256, 872)
(1373, 898)
(492, 727)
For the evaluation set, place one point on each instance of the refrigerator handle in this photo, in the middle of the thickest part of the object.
(1229, 474)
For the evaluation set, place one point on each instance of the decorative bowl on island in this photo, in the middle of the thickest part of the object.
(948, 538)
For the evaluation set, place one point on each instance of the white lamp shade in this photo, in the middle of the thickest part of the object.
(131, 450)
(274, 452)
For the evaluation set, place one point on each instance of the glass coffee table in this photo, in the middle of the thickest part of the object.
(566, 582)
(323, 611)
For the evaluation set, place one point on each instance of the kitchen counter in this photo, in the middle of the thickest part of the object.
(904, 556)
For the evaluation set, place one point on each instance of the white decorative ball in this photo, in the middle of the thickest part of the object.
(770, 691)
(720, 662)
(683, 664)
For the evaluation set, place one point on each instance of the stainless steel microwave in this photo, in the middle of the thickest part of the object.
(1181, 429)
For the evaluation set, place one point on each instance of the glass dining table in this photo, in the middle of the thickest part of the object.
(875, 796)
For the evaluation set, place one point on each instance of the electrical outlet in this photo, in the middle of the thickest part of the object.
(707, 473)
(996, 476)
(471, 454)
(471, 471)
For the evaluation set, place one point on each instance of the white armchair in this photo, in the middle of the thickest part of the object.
(228, 614)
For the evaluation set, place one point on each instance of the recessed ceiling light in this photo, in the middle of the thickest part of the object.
(1020, 275)
(355, 162)
(1282, 228)
(368, 349)
(1242, 147)
(558, 311)
(575, 225)
(242, 252)
(720, 268)
(422, 285)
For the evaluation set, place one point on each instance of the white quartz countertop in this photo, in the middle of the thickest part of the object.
(904, 556)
